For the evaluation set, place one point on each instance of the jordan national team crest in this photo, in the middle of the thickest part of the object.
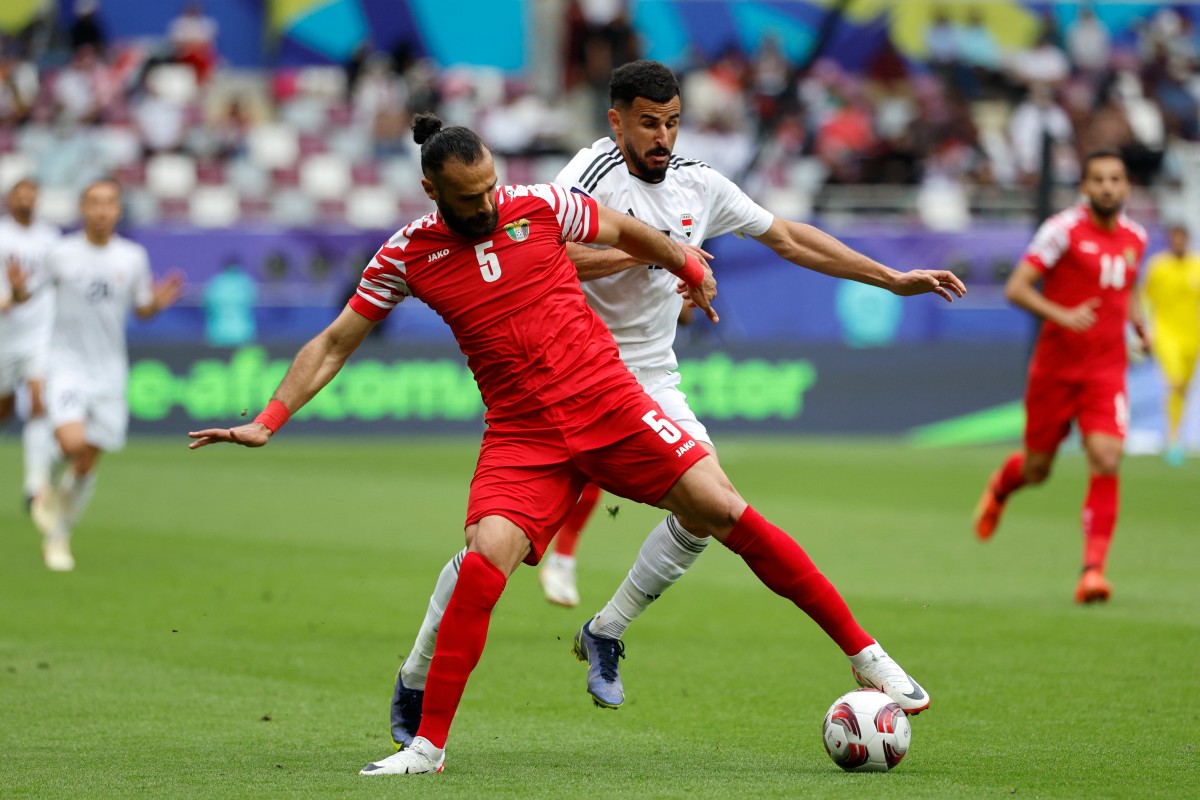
(688, 222)
(518, 231)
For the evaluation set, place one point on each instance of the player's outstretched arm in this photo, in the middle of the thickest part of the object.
(163, 295)
(314, 366)
(814, 249)
(649, 246)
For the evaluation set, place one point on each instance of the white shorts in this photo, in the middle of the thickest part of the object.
(663, 386)
(105, 415)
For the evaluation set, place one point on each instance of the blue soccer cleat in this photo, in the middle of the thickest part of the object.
(601, 654)
(406, 713)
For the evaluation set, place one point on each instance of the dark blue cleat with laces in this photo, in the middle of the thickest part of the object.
(601, 654)
(406, 713)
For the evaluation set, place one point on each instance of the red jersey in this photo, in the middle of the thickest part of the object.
(1080, 261)
(511, 297)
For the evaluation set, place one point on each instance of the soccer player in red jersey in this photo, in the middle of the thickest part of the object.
(1086, 259)
(562, 409)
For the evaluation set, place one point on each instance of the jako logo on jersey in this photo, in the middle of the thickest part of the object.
(688, 223)
(518, 231)
(683, 449)
(438, 254)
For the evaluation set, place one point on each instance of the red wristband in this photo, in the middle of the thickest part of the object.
(274, 416)
(692, 272)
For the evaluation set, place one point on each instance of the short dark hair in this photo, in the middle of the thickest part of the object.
(439, 145)
(652, 80)
(113, 182)
(1097, 155)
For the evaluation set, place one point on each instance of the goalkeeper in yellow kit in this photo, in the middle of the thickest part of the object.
(1172, 294)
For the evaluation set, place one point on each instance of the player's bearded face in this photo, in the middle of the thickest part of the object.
(471, 225)
(646, 132)
(465, 197)
(1106, 186)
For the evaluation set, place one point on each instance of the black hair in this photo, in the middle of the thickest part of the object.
(439, 145)
(1096, 155)
(651, 80)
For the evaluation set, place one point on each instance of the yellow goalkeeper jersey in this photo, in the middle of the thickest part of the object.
(1172, 292)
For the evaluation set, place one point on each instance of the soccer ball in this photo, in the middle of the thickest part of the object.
(865, 731)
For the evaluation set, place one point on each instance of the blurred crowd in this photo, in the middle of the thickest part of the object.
(194, 141)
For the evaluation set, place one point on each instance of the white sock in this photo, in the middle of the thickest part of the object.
(77, 493)
(415, 668)
(39, 448)
(666, 554)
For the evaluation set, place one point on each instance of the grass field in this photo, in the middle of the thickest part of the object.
(236, 619)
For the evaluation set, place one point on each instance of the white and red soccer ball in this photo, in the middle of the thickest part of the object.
(865, 731)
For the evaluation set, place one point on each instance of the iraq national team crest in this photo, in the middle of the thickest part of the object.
(518, 231)
(689, 223)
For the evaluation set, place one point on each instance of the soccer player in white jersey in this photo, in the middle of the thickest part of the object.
(26, 311)
(638, 174)
(98, 278)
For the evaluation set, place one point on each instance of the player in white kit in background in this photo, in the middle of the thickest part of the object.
(98, 277)
(638, 174)
(26, 312)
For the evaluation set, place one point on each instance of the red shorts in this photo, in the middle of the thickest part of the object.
(616, 437)
(1098, 406)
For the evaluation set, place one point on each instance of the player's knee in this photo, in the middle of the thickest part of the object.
(1107, 464)
(1036, 473)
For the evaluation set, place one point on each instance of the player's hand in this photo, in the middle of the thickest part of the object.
(17, 280)
(941, 282)
(252, 434)
(167, 291)
(1081, 317)
(702, 295)
(700, 253)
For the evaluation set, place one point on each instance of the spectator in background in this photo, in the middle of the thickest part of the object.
(1044, 63)
(86, 29)
(161, 121)
(229, 300)
(83, 88)
(194, 39)
(228, 131)
(1035, 118)
(847, 136)
(18, 88)
(1088, 43)
(941, 40)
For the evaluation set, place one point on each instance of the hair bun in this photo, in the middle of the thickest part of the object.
(424, 126)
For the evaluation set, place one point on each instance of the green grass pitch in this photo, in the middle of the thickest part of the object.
(236, 619)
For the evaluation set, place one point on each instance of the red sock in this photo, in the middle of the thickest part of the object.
(1099, 519)
(783, 566)
(459, 644)
(568, 534)
(1011, 477)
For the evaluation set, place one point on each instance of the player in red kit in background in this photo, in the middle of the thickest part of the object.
(1086, 259)
(562, 409)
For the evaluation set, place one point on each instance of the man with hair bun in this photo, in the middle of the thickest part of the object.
(562, 409)
(638, 172)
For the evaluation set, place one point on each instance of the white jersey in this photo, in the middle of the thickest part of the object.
(95, 289)
(692, 203)
(25, 327)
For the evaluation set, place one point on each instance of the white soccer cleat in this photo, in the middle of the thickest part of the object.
(418, 758)
(558, 580)
(876, 669)
(56, 552)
